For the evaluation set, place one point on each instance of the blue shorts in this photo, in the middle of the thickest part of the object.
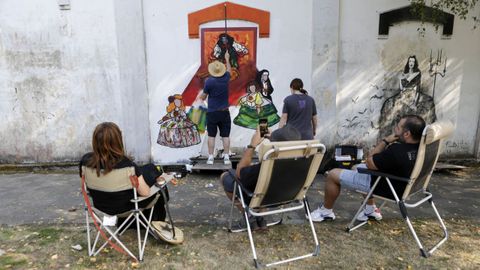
(354, 180)
(220, 119)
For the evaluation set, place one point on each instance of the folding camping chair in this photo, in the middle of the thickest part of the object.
(287, 171)
(427, 155)
(118, 180)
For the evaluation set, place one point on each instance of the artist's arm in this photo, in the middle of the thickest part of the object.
(314, 124)
(248, 154)
(143, 189)
(227, 61)
(283, 120)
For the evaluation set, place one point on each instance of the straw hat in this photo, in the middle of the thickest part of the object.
(216, 68)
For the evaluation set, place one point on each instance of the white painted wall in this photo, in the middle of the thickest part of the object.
(173, 58)
(64, 71)
(369, 66)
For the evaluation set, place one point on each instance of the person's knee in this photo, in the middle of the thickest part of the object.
(222, 178)
(334, 176)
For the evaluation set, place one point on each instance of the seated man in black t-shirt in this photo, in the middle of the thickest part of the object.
(395, 154)
(247, 173)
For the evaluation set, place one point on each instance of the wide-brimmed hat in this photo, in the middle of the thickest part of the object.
(216, 68)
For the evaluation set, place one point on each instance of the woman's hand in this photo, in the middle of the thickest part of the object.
(162, 179)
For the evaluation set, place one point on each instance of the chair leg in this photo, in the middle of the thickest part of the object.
(351, 226)
(87, 220)
(167, 209)
(423, 252)
(230, 217)
(317, 246)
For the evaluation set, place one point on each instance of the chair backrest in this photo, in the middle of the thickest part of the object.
(427, 156)
(287, 171)
(115, 180)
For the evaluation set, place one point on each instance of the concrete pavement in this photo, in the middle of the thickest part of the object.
(30, 198)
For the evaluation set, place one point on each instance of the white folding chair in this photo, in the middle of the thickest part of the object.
(287, 171)
(406, 192)
(111, 184)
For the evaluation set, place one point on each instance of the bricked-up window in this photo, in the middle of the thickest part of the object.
(432, 15)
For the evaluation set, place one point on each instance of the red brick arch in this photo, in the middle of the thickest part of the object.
(234, 12)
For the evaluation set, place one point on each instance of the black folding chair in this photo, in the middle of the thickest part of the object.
(287, 171)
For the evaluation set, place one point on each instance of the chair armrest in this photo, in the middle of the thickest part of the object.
(153, 191)
(246, 191)
(378, 173)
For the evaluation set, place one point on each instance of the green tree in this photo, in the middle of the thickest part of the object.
(460, 8)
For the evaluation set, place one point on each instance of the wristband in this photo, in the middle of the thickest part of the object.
(386, 142)
(250, 146)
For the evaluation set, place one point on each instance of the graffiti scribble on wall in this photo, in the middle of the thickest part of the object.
(254, 106)
(241, 44)
(176, 130)
(409, 100)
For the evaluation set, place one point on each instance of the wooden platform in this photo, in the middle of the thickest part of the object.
(200, 163)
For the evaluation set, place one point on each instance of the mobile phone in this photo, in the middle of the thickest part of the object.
(263, 124)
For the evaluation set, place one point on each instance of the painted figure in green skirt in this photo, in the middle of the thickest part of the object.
(254, 106)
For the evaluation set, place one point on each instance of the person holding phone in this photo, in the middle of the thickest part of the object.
(300, 111)
(248, 173)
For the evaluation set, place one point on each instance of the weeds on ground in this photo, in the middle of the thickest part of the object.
(379, 245)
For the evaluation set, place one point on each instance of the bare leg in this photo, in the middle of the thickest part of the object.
(332, 188)
(211, 145)
(226, 145)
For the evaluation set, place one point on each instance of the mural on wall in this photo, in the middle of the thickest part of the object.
(254, 106)
(176, 129)
(263, 80)
(409, 100)
(198, 113)
(241, 43)
(375, 118)
(227, 43)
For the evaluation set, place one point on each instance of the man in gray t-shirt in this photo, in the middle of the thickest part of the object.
(300, 111)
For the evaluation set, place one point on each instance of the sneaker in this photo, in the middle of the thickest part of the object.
(321, 214)
(210, 160)
(374, 215)
(226, 160)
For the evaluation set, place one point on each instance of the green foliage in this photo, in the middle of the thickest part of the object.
(460, 8)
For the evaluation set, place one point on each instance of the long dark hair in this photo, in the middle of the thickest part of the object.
(258, 79)
(107, 146)
(415, 66)
(297, 84)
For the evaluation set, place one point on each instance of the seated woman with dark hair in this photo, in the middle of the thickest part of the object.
(109, 154)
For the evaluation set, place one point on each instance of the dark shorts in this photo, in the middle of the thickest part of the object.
(228, 180)
(220, 119)
(228, 184)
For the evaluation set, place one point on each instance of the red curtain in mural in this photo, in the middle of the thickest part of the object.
(244, 72)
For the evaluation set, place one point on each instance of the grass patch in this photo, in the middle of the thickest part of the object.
(12, 261)
(379, 245)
